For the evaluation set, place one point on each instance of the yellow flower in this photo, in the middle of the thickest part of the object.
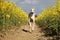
(55, 13)
(14, 3)
(8, 16)
(19, 22)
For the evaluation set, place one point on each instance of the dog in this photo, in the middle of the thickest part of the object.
(32, 20)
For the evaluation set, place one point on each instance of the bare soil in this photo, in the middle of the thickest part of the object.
(23, 33)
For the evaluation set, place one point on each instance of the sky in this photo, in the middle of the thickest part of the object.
(39, 5)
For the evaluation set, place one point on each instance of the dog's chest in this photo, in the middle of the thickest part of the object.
(32, 16)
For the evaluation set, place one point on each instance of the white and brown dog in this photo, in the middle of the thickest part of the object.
(32, 19)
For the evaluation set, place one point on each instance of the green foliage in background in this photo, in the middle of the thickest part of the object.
(11, 15)
(50, 17)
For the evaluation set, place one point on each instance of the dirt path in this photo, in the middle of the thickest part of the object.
(20, 34)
